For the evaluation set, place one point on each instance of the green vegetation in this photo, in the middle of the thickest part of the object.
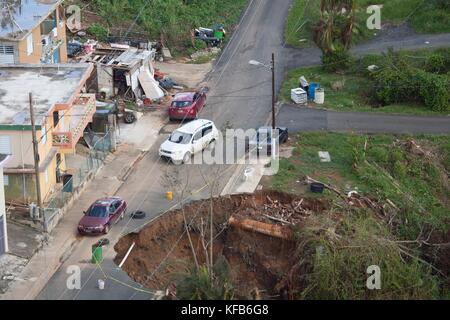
(405, 82)
(169, 20)
(409, 172)
(198, 284)
(424, 16)
(203, 59)
(98, 31)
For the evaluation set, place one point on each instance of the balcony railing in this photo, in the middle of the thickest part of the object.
(80, 113)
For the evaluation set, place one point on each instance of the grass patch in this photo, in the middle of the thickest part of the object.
(355, 90)
(423, 16)
(203, 59)
(170, 20)
(336, 248)
(417, 184)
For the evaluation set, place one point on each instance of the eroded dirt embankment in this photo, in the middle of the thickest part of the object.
(259, 262)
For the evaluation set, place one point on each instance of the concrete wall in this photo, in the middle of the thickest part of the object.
(105, 79)
(21, 188)
(22, 185)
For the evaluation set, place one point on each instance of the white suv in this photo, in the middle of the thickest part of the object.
(191, 138)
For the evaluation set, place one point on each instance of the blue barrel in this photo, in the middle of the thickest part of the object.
(312, 90)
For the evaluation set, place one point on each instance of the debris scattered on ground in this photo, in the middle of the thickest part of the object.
(324, 156)
(259, 244)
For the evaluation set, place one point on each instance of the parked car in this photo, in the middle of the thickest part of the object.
(101, 215)
(189, 139)
(187, 105)
(262, 141)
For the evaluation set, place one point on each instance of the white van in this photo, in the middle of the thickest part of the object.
(191, 138)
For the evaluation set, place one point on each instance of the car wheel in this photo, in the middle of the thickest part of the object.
(106, 229)
(129, 117)
(177, 162)
(187, 157)
(212, 144)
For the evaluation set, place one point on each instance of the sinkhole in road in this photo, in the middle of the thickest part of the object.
(255, 233)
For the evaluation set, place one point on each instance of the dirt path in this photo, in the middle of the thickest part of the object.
(189, 75)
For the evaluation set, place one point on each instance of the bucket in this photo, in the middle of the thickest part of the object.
(101, 284)
(169, 195)
(312, 90)
(319, 96)
(97, 254)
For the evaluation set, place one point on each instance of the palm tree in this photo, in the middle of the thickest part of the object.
(336, 25)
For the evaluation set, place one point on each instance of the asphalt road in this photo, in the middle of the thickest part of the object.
(299, 119)
(240, 97)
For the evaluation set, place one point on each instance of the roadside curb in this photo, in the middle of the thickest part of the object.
(130, 168)
(33, 289)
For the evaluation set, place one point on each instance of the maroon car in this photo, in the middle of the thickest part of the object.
(101, 215)
(187, 105)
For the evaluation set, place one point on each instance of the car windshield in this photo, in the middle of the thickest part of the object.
(181, 104)
(180, 137)
(98, 211)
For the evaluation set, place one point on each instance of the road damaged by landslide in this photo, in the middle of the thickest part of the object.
(255, 233)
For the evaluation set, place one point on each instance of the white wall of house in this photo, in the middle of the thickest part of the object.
(3, 231)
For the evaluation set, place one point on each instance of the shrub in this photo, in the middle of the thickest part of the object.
(337, 260)
(396, 155)
(200, 45)
(435, 63)
(339, 60)
(98, 31)
(379, 154)
(399, 170)
(434, 90)
(410, 84)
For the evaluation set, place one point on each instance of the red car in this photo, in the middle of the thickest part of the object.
(187, 105)
(101, 215)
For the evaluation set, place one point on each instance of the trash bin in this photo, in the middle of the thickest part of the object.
(312, 90)
(97, 253)
(67, 183)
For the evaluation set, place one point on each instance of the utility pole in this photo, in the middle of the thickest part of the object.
(36, 155)
(273, 91)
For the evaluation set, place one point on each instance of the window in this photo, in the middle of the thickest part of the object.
(5, 144)
(180, 137)
(43, 135)
(181, 104)
(98, 211)
(198, 136)
(55, 118)
(5, 180)
(6, 54)
(207, 130)
(30, 44)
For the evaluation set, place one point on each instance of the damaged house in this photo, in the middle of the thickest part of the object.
(125, 72)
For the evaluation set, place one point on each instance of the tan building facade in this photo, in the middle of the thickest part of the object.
(62, 112)
(40, 38)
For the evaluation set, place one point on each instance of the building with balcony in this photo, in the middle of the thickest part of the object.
(32, 31)
(62, 111)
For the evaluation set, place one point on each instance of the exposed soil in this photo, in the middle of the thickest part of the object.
(259, 263)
